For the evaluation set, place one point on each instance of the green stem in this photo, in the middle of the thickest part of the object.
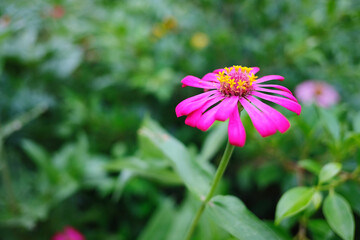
(5, 131)
(20, 121)
(343, 178)
(219, 173)
(7, 181)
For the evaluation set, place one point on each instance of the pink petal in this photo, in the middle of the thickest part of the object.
(236, 131)
(193, 117)
(189, 107)
(281, 122)
(254, 70)
(218, 70)
(286, 103)
(210, 77)
(207, 119)
(183, 104)
(198, 83)
(268, 78)
(260, 121)
(226, 108)
(73, 234)
(285, 94)
(274, 86)
(59, 236)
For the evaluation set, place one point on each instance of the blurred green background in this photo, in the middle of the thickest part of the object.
(77, 79)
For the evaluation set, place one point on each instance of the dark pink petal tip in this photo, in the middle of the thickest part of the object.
(236, 130)
(69, 233)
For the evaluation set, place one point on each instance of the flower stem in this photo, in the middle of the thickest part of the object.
(219, 173)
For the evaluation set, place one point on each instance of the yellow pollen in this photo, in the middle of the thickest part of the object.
(236, 80)
(236, 67)
(228, 70)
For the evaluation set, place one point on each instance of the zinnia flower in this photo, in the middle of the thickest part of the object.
(231, 89)
(318, 92)
(69, 233)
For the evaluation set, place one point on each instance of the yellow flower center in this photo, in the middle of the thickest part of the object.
(236, 81)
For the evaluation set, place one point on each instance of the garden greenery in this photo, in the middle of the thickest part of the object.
(90, 141)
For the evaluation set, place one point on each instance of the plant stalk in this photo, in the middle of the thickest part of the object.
(6, 178)
(219, 173)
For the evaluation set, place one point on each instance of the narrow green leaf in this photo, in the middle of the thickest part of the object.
(292, 202)
(41, 158)
(338, 214)
(209, 230)
(196, 178)
(36, 153)
(230, 213)
(182, 219)
(310, 165)
(213, 142)
(329, 171)
(119, 185)
(356, 122)
(158, 226)
(146, 169)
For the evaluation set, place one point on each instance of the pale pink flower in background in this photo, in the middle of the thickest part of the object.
(231, 88)
(69, 233)
(318, 92)
(57, 12)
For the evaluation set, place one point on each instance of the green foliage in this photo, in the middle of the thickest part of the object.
(158, 226)
(293, 201)
(78, 77)
(225, 211)
(329, 171)
(338, 214)
(196, 178)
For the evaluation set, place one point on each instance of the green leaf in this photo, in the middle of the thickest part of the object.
(331, 123)
(213, 142)
(329, 171)
(158, 225)
(232, 215)
(320, 230)
(122, 180)
(356, 122)
(310, 165)
(351, 191)
(292, 202)
(338, 214)
(41, 159)
(314, 204)
(36, 153)
(146, 169)
(182, 219)
(209, 229)
(196, 178)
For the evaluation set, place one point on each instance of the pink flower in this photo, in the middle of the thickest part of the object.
(57, 12)
(318, 92)
(230, 89)
(69, 233)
